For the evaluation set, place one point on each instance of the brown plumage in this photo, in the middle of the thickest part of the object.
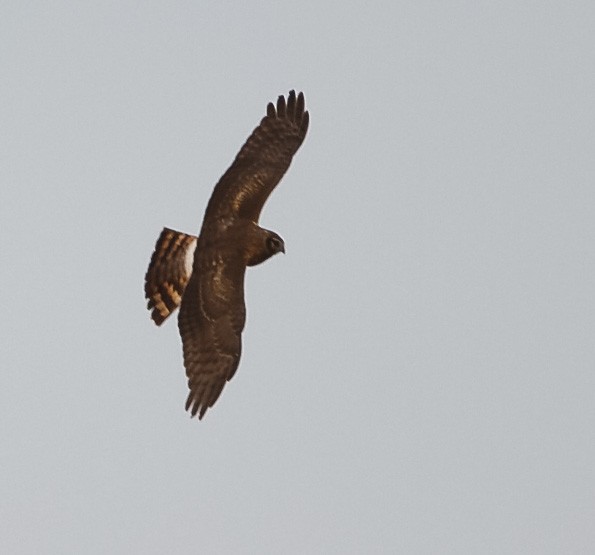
(211, 290)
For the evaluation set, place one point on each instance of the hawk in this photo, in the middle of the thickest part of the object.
(204, 275)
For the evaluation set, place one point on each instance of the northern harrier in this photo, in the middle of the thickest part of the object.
(204, 275)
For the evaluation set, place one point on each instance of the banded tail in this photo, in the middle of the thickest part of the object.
(169, 271)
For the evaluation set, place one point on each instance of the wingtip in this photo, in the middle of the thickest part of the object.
(195, 406)
(300, 105)
(294, 108)
(281, 106)
(305, 123)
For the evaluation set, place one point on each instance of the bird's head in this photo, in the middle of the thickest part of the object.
(274, 243)
(263, 245)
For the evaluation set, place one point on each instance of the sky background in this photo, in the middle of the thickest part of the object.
(418, 370)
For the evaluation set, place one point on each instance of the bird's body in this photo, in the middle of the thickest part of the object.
(205, 275)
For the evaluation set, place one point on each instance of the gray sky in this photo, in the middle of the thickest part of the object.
(418, 371)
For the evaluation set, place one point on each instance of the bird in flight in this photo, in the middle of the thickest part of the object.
(204, 275)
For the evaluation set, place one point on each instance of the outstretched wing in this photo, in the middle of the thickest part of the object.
(168, 273)
(261, 162)
(211, 321)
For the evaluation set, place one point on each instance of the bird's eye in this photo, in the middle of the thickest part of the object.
(274, 244)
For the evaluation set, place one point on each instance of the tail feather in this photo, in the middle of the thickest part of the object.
(169, 271)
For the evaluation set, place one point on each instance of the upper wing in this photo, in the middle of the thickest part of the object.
(261, 162)
(169, 272)
(211, 321)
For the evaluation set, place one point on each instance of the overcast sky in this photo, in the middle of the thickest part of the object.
(418, 373)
